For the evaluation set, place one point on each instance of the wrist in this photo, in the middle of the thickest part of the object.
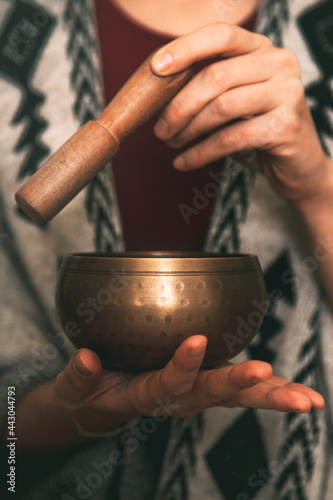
(321, 198)
(94, 423)
(112, 429)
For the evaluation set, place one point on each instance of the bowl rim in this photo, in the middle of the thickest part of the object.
(160, 262)
(161, 254)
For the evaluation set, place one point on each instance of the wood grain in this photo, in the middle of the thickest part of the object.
(77, 161)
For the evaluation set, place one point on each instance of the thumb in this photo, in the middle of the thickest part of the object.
(78, 380)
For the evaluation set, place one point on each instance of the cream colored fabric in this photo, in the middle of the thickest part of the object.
(249, 217)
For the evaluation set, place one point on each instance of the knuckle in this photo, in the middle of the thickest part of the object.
(72, 383)
(215, 74)
(242, 138)
(176, 392)
(222, 139)
(265, 41)
(287, 121)
(223, 106)
(224, 34)
(163, 381)
(290, 61)
(168, 386)
(294, 128)
(272, 396)
(296, 90)
(214, 399)
(173, 388)
(294, 63)
(175, 110)
(196, 156)
(181, 390)
(228, 137)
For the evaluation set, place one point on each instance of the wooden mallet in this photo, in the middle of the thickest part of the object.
(82, 156)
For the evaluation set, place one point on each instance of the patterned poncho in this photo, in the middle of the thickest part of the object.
(50, 84)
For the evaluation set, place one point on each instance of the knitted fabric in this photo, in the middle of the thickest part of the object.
(49, 86)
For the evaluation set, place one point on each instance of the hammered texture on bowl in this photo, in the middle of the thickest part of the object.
(135, 310)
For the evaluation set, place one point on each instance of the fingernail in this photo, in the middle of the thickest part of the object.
(161, 62)
(161, 128)
(179, 163)
(197, 351)
(80, 367)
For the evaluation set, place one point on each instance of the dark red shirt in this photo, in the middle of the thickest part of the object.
(161, 208)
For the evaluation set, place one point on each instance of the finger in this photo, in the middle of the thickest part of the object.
(213, 81)
(214, 385)
(271, 397)
(179, 375)
(259, 132)
(317, 399)
(211, 40)
(235, 103)
(78, 380)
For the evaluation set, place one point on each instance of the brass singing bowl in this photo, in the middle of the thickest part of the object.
(135, 309)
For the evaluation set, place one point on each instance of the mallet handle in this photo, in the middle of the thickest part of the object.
(77, 161)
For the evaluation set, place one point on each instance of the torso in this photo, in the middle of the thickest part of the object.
(150, 192)
(178, 17)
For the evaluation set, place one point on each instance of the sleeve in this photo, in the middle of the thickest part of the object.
(31, 352)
